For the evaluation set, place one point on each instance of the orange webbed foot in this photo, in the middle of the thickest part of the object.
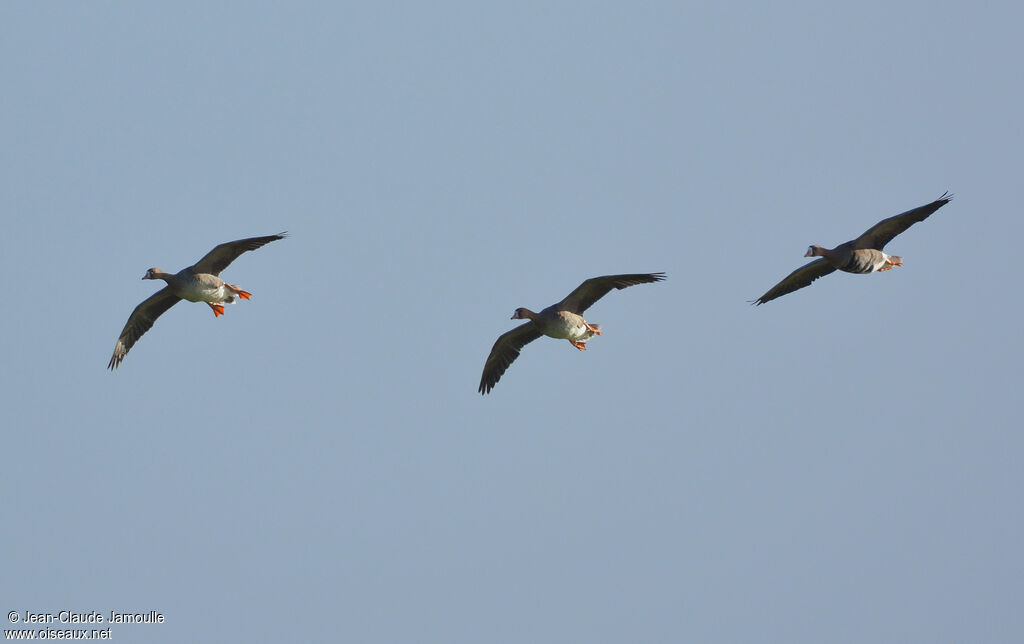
(582, 346)
(245, 295)
(593, 329)
(892, 262)
(218, 309)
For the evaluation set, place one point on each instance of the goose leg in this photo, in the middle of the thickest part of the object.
(592, 328)
(218, 309)
(582, 346)
(245, 295)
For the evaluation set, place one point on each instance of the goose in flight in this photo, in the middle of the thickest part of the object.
(861, 255)
(563, 321)
(197, 283)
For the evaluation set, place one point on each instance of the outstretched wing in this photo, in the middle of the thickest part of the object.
(595, 288)
(223, 254)
(798, 279)
(882, 233)
(140, 321)
(504, 352)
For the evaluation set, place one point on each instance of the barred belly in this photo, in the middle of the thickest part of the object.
(864, 261)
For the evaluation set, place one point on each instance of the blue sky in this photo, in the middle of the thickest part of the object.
(840, 465)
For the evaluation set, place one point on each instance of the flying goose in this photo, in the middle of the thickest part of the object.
(861, 255)
(563, 321)
(197, 283)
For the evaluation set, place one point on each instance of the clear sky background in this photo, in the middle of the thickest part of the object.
(839, 465)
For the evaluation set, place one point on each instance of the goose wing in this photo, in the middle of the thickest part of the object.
(883, 232)
(140, 321)
(223, 254)
(504, 352)
(595, 288)
(798, 279)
